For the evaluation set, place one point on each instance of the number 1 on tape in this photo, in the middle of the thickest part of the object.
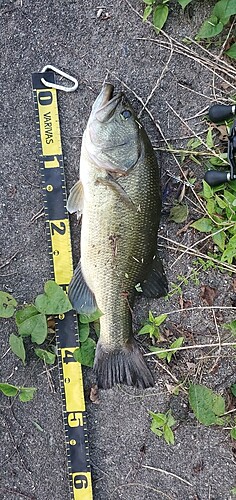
(59, 241)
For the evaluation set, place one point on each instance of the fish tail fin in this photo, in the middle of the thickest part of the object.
(121, 365)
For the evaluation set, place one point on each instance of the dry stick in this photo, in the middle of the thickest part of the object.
(9, 260)
(206, 64)
(192, 131)
(191, 347)
(217, 329)
(194, 91)
(220, 62)
(228, 68)
(226, 40)
(197, 253)
(158, 80)
(225, 228)
(168, 474)
(164, 495)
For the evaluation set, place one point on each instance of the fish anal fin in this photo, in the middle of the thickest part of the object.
(121, 365)
(75, 200)
(155, 285)
(80, 295)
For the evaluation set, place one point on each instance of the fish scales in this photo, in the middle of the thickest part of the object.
(121, 212)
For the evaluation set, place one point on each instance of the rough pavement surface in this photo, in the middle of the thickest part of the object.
(70, 35)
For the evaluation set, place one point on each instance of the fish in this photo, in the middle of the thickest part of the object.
(118, 195)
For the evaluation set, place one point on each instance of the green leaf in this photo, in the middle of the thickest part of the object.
(183, 3)
(7, 305)
(231, 52)
(210, 206)
(224, 9)
(159, 418)
(219, 240)
(207, 190)
(53, 301)
(233, 491)
(209, 138)
(231, 326)
(145, 329)
(85, 354)
(175, 345)
(211, 27)
(8, 389)
(222, 204)
(25, 313)
(206, 404)
(169, 435)
(147, 12)
(26, 393)
(204, 225)
(233, 389)
(17, 346)
(160, 15)
(179, 212)
(233, 433)
(149, 2)
(89, 318)
(36, 327)
(151, 317)
(47, 356)
(160, 319)
(83, 331)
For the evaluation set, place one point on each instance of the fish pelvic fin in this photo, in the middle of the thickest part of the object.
(155, 285)
(80, 295)
(75, 200)
(121, 365)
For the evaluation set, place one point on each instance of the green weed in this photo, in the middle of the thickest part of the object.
(161, 425)
(220, 16)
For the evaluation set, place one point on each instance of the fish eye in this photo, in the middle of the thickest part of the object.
(126, 114)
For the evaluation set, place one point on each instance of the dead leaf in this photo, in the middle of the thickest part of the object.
(94, 394)
(207, 294)
(222, 129)
(234, 285)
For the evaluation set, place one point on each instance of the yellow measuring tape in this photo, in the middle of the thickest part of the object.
(59, 240)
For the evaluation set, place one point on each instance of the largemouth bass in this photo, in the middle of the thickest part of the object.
(118, 195)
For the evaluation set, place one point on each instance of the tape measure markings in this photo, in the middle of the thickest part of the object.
(60, 256)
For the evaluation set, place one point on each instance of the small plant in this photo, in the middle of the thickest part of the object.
(152, 326)
(24, 393)
(211, 27)
(221, 223)
(161, 425)
(163, 354)
(31, 320)
(86, 352)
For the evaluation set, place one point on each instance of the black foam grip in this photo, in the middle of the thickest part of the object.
(215, 177)
(220, 112)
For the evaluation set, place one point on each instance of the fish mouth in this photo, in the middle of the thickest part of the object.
(106, 103)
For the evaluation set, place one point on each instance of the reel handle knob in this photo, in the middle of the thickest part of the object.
(215, 177)
(220, 112)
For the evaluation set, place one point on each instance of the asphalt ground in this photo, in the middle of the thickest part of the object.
(71, 36)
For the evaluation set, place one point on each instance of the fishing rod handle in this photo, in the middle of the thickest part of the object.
(215, 177)
(220, 112)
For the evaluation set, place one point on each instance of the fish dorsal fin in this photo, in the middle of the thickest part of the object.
(155, 285)
(80, 295)
(75, 200)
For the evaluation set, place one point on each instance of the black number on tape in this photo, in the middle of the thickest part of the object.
(80, 481)
(68, 358)
(61, 230)
(45, 97)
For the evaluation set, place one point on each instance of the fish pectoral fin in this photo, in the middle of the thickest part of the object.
(155, 285)
(80, 295)
(75, 200)
(116, 188)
